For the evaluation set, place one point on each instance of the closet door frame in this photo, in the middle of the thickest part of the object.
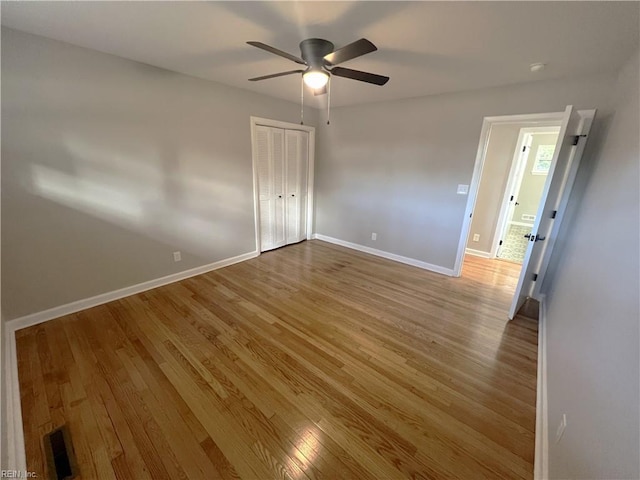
(255, 121)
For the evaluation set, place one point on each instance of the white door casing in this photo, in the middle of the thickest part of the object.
(553, 202)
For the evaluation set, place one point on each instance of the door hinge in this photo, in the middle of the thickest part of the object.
(511, 200)
(500, 243)
(576, 138)
(524, 148)
(535, 277)
(554, 213)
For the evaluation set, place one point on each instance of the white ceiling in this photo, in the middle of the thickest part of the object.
(425, 47)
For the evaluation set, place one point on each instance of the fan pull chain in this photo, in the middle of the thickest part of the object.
(329, 102)
(301, 100)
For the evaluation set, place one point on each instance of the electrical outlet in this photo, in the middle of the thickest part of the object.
(561, 427)
(462, 189)
(476, 237)
(177, 256)
(374, 236)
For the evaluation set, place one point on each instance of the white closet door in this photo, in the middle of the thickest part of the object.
(304, 167)
(270, 168)
(264, 163)
(279, 187)
(297, 151)
(282, 163)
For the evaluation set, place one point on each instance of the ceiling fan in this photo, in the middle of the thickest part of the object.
(321, 60)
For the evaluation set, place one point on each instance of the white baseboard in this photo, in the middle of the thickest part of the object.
(541, 463)
(16, 450)
(477, 253)
(391, 256)
(73, 307)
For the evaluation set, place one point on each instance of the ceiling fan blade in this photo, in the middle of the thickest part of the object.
(320, 91)
(274, 75)
(353, 50)
(358, 75)
(271, 49)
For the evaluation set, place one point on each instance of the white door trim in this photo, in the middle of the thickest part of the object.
(532, 120)
(255, 121)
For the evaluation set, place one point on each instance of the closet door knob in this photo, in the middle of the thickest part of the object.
(292, 195)
(279, 196)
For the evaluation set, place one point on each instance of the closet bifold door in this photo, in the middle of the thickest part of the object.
(279, 187)
(297, 143)
(270, 168)
(292, 185)
(304, 175)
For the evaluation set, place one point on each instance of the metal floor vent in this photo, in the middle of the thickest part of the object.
(60, 456)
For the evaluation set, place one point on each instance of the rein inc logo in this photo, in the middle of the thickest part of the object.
(17, 474)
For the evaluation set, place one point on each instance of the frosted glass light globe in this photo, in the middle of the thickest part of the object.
(315, 78)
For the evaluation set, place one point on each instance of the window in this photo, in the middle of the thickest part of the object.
(542, 162)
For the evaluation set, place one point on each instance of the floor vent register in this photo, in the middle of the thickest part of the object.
(60, 456)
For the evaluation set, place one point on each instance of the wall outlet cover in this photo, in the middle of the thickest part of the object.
(463, 189)
(177, 256)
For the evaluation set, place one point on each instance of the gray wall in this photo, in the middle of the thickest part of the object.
(108, 166)
(532, 185)
(495, 174)
(393, 167)
(593, 311)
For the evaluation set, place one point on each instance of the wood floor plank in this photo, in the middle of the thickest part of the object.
(309, 362)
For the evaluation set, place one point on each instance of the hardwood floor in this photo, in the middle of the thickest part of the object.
(308, 362)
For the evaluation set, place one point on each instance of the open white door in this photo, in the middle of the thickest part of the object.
(554, 195)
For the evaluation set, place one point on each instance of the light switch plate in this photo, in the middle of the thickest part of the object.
(463, 189)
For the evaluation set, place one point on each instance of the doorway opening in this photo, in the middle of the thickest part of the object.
(508, 193)
(530, 167)
(525, 168)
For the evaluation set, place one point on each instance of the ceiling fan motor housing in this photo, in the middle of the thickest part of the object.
(314, 49)
(321, 60)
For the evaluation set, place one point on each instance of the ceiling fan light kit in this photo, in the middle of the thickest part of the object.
(315, 78)
(321, 60)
